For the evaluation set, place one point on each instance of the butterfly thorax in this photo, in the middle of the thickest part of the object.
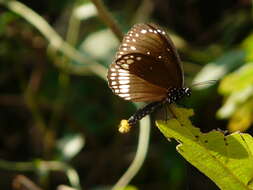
(176, 94)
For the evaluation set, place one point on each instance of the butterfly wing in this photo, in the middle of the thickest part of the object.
(146, 65)
(148, 52)
(131, 87)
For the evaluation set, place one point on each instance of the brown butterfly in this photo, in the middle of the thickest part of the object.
(147, 68)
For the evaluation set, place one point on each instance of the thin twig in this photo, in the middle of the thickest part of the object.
(144, 11)
(87, 64)
(143, 141)
(107, 18)
(140, 156)
(29, 97)
(23, 183)
(44, 165)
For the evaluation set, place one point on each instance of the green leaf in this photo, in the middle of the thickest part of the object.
(227, 160)
(242, 119)
(237, 88)
(234, 101)
(240, 79)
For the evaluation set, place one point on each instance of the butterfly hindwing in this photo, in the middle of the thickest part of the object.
(131, 87)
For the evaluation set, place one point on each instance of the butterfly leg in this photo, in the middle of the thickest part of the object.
(166, 112)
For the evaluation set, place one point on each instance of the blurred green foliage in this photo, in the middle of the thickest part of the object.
(225, 159)
(58, 118)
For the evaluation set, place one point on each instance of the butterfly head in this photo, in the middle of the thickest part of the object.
(175, 94)
(187, 91)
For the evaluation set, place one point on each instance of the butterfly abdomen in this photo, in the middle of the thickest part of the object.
(148, 109)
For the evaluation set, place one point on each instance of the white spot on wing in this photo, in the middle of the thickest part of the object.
(125, 66)
(124, 95)
(143, 31)
(123, 78)
(123, 74)
(133, 48)
(124, 90)
(123, 71)
(129, 61)
(124, 81)
(114, 82)
(124, 86)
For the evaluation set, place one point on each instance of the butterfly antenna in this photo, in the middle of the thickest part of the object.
(204, 83)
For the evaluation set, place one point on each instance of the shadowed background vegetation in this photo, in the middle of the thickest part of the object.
(58, 117)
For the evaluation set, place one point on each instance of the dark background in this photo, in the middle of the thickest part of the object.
(42, 104)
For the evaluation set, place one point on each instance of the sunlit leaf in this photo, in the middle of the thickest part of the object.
(242, 118)
(247, 45)
(237, 80)
(227, 160)
(237, 88)
(234, 101)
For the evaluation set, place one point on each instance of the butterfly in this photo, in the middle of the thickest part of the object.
(147, 68)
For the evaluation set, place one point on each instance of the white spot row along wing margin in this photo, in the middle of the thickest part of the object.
(130, 87)
(120, 81)
(130, 44)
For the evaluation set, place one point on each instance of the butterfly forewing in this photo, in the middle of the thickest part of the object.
(154, 46)
(152, 70)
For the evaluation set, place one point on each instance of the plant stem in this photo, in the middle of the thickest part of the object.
(107, 18)
(141, 153)
(43, 165)
(87, 64)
